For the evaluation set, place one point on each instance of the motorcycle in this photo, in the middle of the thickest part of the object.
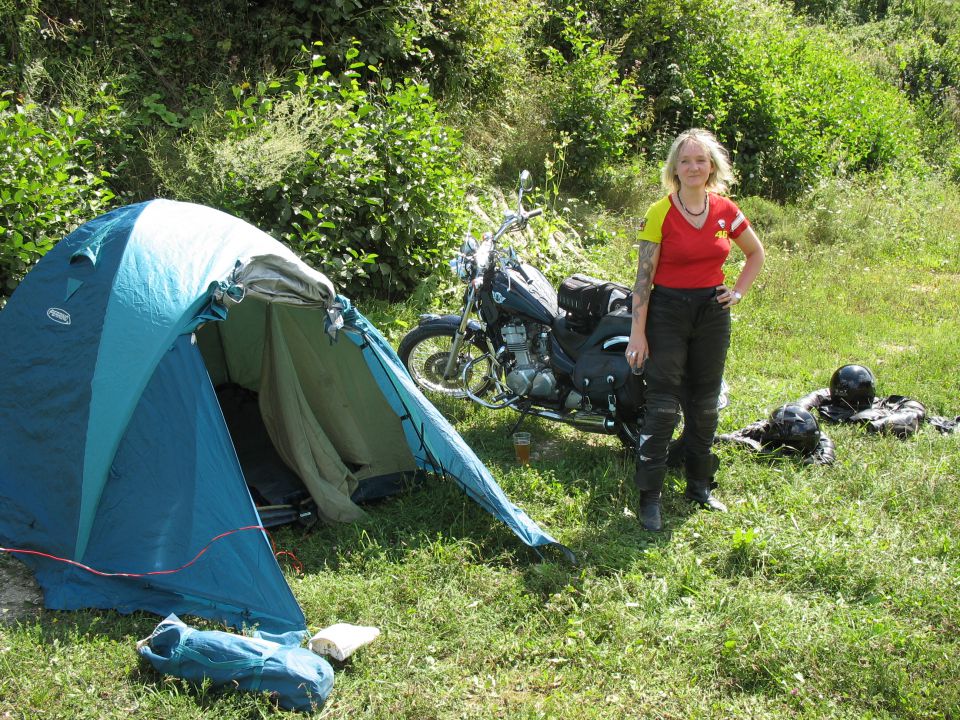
(518, 343)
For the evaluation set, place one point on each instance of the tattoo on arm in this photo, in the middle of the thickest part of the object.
(646, 264)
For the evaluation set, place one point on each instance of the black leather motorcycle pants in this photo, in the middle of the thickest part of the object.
(688, 333)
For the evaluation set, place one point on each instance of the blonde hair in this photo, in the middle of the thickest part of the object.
(721, 177)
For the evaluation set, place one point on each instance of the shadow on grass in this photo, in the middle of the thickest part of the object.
(405, 523)
(620, 542)
(593, 475)
(437, 508)
(73, 627)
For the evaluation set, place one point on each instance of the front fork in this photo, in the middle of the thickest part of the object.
(449, 370)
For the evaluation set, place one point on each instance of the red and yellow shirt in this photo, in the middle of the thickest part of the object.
(692, 258)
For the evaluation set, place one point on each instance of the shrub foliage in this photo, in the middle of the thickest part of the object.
(787, 99)
(50, 182)
(361, 180)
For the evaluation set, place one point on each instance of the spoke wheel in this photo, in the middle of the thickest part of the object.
(424, 352)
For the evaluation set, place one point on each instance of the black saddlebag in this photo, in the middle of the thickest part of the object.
(601, 374)
(586, 300)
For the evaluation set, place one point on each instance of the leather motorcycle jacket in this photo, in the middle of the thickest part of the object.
(895, 414)
(759, 437)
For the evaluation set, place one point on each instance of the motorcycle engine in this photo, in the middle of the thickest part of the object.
(530, 372)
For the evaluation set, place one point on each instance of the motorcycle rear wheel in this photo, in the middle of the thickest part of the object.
(628, 434)
(424, 352)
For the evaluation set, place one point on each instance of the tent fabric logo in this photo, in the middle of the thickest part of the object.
(59, 316)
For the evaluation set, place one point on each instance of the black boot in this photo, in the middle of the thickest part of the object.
(650, 517)
(699, 492)
(700, 474)
(650, 484)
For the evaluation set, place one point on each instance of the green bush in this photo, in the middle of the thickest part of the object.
(551, 85)
(791, 102)
(361, 181)
(589, 102)
(786, 99)
(826, 118)
(18, 25)
(100, 85)
(468, 51)
(845, 12)
(50, 182)
(479, 50)
(582, 89)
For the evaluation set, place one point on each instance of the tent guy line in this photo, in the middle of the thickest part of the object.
(101, 573)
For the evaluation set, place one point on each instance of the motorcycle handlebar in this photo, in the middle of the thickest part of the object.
(489, 246)
(516, 221)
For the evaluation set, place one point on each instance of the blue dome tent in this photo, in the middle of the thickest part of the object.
(120, 483)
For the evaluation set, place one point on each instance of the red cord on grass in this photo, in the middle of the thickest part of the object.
(206, 547)
(297, 565)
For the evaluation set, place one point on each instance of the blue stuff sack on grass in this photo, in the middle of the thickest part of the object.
(297, 678)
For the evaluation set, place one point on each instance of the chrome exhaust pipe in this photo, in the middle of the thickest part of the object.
(594, 423)
(590, 422)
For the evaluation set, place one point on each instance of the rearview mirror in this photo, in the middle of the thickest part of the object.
(526, 180)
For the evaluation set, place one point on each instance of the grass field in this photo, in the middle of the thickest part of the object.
(825, 592)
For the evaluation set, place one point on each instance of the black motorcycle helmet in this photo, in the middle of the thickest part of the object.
(853, 386)
(794, 428)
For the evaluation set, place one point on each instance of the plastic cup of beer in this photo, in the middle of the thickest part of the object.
(521, 446)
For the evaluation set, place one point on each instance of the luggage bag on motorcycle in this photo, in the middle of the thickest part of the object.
(605, 379)
(586, 299)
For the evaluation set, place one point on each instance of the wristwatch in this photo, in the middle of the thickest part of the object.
(737, 295)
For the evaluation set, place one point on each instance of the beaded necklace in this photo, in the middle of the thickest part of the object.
(706, 204)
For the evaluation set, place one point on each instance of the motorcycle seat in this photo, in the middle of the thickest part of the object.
(570, 340)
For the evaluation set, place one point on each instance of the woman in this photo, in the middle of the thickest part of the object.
(681, 327)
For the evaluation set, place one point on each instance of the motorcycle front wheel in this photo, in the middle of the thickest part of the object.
(424, 352)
